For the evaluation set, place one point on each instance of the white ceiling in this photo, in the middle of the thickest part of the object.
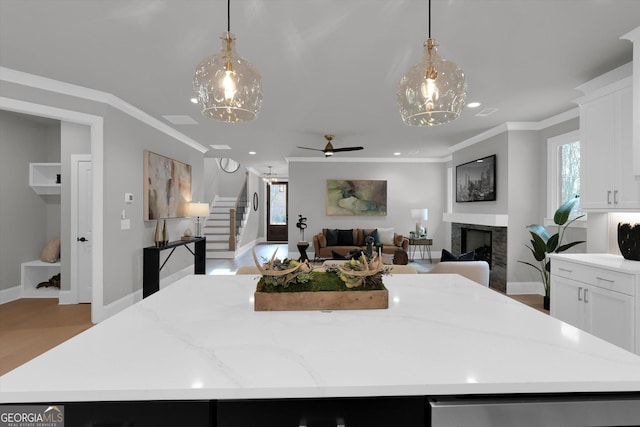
(328, 66)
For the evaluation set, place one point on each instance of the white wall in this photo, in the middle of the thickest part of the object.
(409, 186)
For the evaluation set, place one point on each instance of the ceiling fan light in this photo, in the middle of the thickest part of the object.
(228, 88)
(433, 91)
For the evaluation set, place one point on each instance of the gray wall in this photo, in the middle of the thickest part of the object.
(27, 220)
(409, 185)
(125, 141)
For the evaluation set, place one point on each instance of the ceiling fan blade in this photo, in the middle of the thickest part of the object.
(307, 148)
(335, 150)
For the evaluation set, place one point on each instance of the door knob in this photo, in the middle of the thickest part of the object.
(82, 239)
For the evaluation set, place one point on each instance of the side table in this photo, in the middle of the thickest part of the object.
(423, 244)
(302, 248)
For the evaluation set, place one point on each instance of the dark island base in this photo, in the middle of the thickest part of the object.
(585, 409)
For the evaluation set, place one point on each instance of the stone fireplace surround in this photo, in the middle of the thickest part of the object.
(498, 274)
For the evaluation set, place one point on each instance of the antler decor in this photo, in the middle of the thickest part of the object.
(279, 272)
(354, 272)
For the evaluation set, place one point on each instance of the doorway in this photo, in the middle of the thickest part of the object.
(277, 211)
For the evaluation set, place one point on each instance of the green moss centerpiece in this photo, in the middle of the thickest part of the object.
(292, 285)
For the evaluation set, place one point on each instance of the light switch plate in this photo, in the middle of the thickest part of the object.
(125, 224)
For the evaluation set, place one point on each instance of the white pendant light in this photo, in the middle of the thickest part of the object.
(227, 87)
(433, 91)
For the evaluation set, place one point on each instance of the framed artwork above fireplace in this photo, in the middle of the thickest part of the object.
(476, 180)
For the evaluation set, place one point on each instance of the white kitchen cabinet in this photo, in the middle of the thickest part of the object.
(607, 177)
(597, 293)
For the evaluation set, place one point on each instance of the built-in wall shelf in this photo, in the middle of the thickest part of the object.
(44, 178)
(36, 272)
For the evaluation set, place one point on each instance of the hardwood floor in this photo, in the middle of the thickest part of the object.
(31, 326)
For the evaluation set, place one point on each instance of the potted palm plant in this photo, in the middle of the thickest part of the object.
(544, 243)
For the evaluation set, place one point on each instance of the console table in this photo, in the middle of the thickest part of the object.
(423, 244)
(152, 267)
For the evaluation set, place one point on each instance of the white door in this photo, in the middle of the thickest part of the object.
(84, 233)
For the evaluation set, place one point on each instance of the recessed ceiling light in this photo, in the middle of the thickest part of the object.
(396, 154)
(473, 105)
(194, 100)
(252, 152)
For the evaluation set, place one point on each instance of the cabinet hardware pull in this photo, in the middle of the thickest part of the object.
(585, 296)
(609, 197)
(615, 197)
(580, 294)
(565, 270)
(605, 280)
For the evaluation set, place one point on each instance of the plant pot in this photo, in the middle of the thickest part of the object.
(546, 303)
(629, 240)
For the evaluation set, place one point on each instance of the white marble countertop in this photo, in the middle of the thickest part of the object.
(607, 261)
(442, 334)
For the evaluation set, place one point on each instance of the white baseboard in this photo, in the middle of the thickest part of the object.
(119, 305)
(11, 294)
(128, 300)
(66, 298)
(520, 288)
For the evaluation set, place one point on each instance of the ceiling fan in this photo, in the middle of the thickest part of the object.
(329, 150)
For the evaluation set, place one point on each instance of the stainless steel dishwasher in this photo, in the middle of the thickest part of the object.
(536, 410)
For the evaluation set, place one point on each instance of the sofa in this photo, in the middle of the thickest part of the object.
(330, 242)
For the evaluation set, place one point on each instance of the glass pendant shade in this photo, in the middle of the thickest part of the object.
(433, 91)
(227, 87)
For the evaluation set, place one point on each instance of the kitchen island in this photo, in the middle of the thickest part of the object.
(443, 337)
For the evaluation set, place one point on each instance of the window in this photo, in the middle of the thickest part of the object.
(278, 204)
(563, 163)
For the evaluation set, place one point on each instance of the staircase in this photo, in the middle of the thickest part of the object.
(216, 227)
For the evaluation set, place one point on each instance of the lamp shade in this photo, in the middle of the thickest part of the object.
(198, 209)
(433, 91)
(228, 88)
(420, 214)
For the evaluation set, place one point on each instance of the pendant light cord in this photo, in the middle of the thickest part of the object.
(429, 19)
(229, 15)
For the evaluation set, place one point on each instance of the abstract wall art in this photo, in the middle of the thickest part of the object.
(167, 187)
(356, 197)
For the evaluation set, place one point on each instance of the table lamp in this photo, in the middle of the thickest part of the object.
(198, 210)
(420, 215)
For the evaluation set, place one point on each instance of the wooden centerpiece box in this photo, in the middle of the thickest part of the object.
(289, 285)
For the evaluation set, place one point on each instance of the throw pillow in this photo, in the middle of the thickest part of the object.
(332, 237)
(448, 256)
(51, 252)
(397, 239)
(322, 240)
(345, 237)
(386, 236)
(374, 234)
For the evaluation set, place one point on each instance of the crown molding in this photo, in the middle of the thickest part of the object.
(44, 83)
(516, 126)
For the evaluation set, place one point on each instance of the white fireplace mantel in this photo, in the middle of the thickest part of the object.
(492, 220)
